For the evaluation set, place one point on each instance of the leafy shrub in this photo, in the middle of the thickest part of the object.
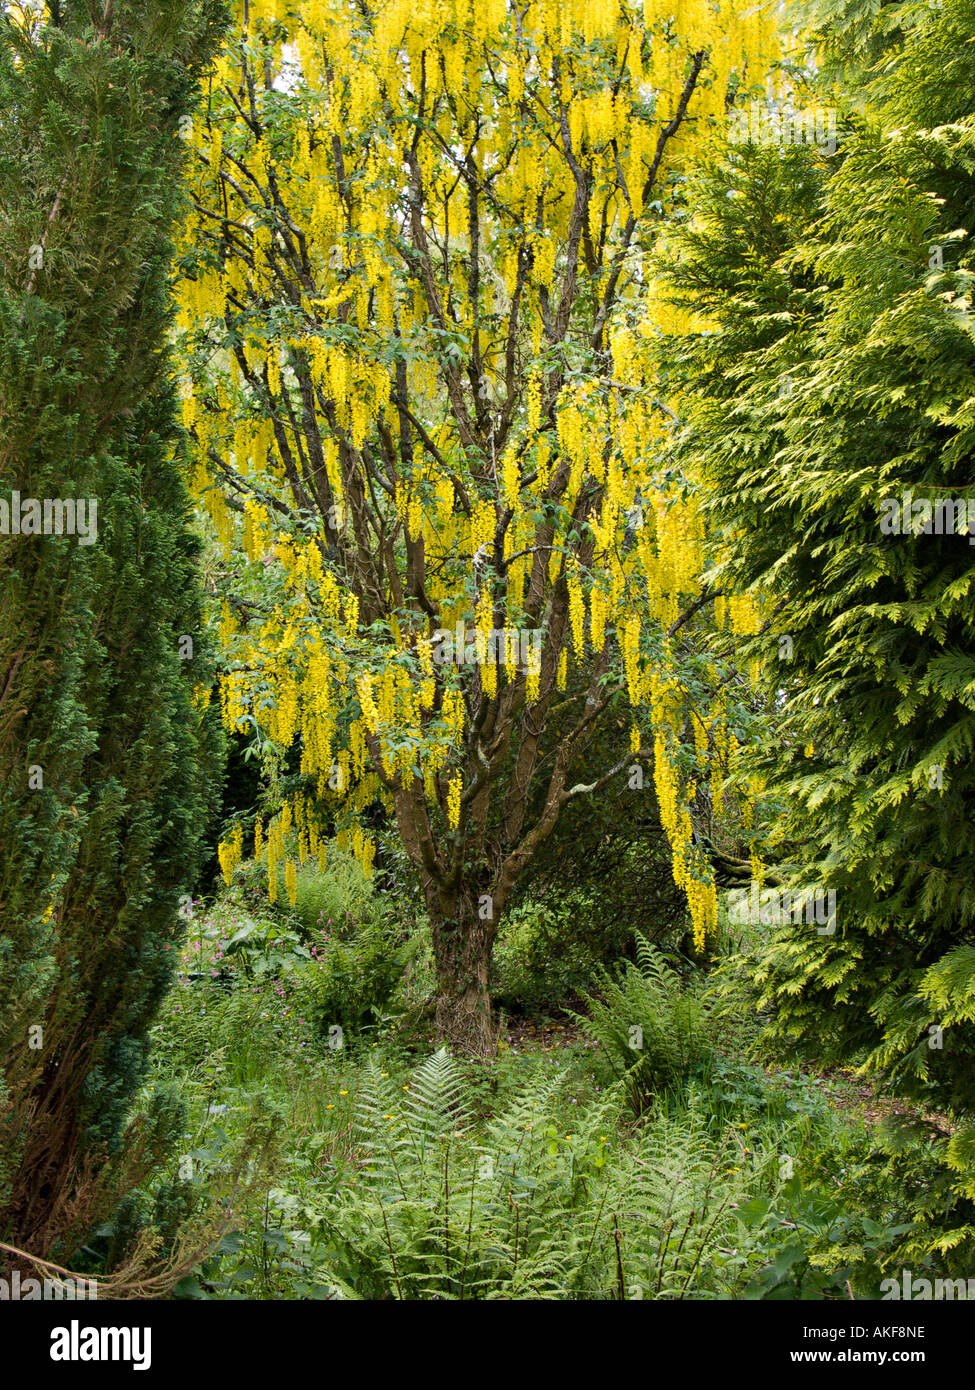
(917, 1218)
(820, 1245)
(351, 982)
(652, 1030)
(265, 948)
(336, 897)
(550, 949)
(340, 896)
(342, 971)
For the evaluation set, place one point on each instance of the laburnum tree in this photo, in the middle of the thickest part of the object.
(107, 761)
(830, 415)
(416, 357)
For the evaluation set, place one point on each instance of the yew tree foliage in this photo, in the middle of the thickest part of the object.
(838, 373)
(106, 763)
(417, 326)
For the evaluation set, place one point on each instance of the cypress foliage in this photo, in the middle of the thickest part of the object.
(839, 373)
(107, 763)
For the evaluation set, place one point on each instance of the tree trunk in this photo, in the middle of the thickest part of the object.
(462, 942)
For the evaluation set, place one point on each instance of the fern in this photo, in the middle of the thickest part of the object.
(445, 1206)
(651, 1029)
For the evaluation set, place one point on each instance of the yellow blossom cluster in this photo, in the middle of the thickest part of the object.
(230, 853)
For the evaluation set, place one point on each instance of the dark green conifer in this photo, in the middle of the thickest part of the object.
(841, 374)
(106, 763)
